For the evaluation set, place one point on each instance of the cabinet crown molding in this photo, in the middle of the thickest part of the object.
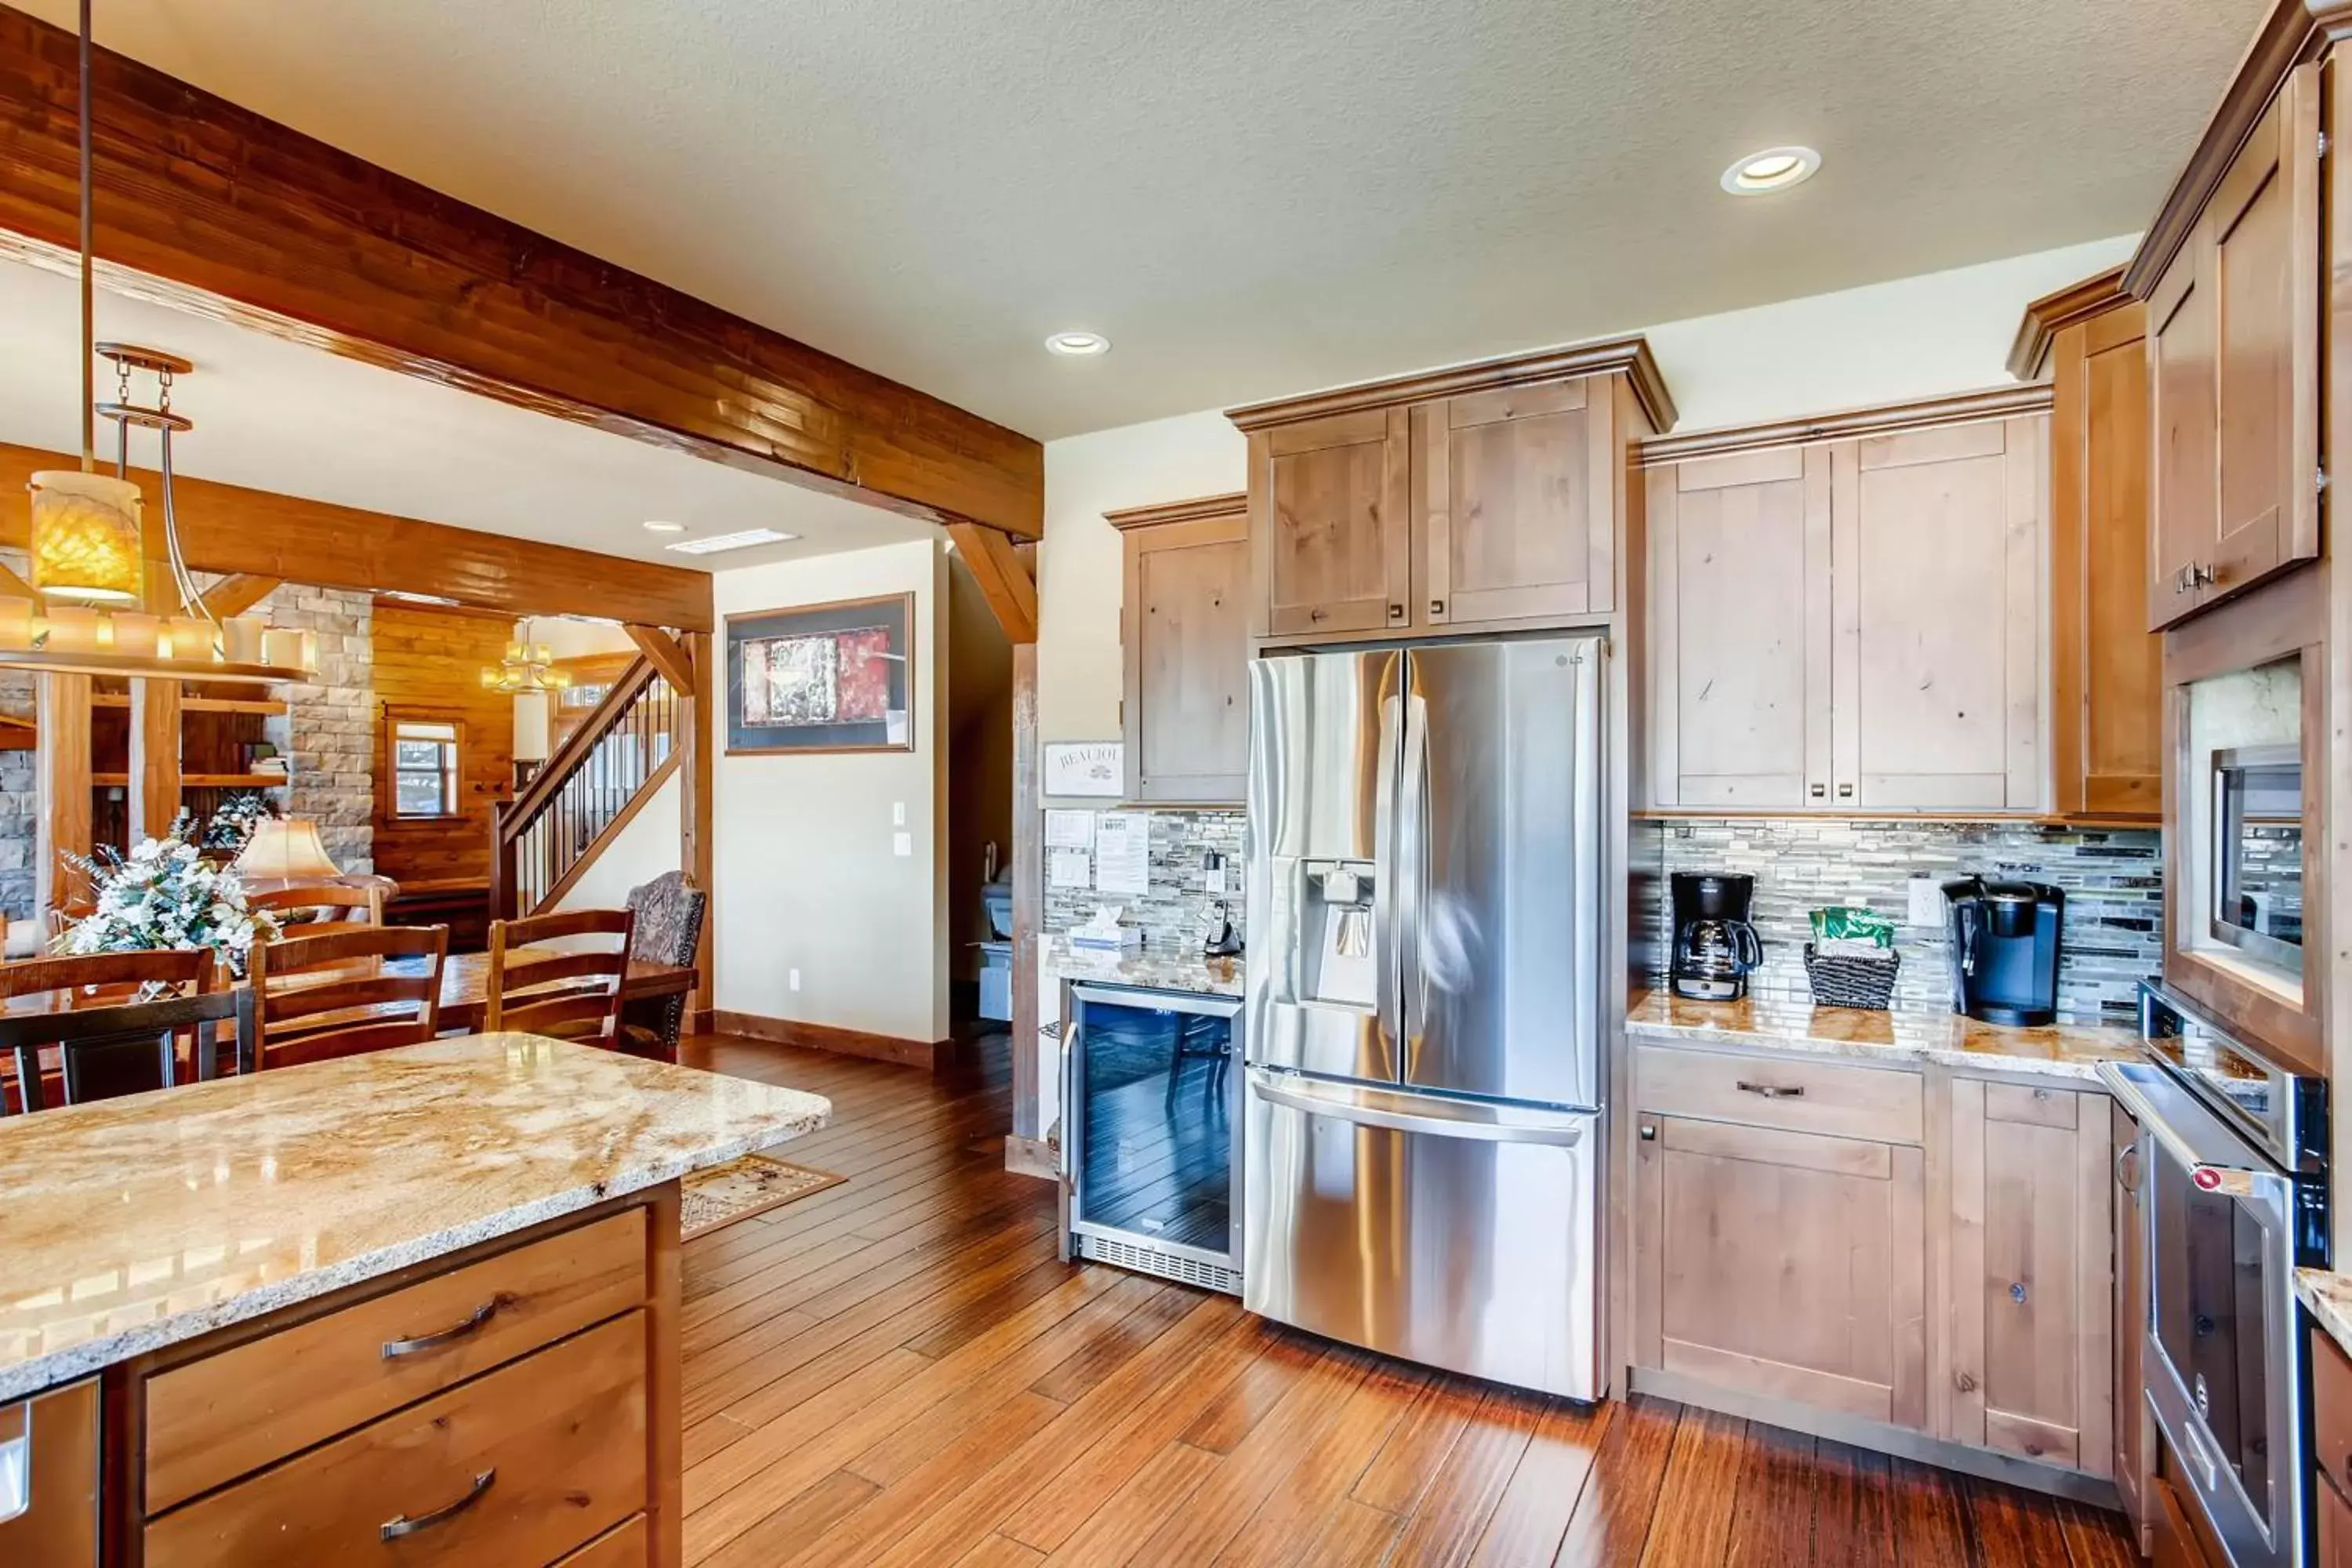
(1197, 510)
(1629, 356)
(1853, 424)
(2294, 31)
(2045, 319)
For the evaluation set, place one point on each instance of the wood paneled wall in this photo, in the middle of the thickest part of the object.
(427, 664)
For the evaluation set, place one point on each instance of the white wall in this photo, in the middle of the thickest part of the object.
(1915, 337)
(805, 873)
(645, 848)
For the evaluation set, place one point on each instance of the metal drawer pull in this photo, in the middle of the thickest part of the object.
(1771, 1091)
(395, 1349)
(400, 1524)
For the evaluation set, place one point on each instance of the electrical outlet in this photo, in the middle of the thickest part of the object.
(1217, 879)
(1926, 901)
(793, 979)
(902, 843)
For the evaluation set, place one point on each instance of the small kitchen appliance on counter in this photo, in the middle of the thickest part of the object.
(1716, 948)
(2004, 938)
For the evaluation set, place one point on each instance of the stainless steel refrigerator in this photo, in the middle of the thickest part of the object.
(1422, 1142)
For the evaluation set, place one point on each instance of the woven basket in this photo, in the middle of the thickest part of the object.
(1852, 982)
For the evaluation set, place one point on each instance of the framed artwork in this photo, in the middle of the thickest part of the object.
(822, 677)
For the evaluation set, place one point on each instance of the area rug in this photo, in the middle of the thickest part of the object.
(741, 1188)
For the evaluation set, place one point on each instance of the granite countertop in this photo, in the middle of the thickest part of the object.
(137, 1223)
(1146, 968)
(2328, 1297)
(1903, 1034)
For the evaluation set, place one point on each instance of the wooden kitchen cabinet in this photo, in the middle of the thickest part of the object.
(1488, 498)
(2033, 1288)
(1184, 640)
(2135, 1425)
(1849, 625)
(2106, 677)
(1938, 539)
(1739, 630)
(1783, 1264)
(2234, 360)
(1332, 529)
(59, 1529)
(1512, 505)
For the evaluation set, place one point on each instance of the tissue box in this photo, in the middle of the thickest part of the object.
(1126, 939)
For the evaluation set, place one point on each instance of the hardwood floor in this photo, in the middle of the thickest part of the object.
(897, 1371)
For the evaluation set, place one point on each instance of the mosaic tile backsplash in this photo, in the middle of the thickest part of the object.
(2111, 940)
(1174, 915)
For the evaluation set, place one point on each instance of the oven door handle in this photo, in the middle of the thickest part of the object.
(2228, 1175)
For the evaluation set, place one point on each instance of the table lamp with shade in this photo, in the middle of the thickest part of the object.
(285, 849)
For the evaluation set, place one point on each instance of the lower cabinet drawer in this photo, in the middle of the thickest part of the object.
(623, 1546)
(1883, 1104)
(516, 1468)
(229, 1414)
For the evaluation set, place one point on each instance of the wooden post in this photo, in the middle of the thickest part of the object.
(154, 757)
(1028, 889)
(61, 790)
(696, 841)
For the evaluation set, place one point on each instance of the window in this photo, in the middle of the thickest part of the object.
(425, 767)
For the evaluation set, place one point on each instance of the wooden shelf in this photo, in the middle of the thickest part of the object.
(205, 780)
(198, 704)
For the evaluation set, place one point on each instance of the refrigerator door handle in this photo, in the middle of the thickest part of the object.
(1412, 870)
(1376, 1108)
(1384, 872)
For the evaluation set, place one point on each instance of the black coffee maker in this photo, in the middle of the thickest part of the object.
(2004, 938)
(1714, 947)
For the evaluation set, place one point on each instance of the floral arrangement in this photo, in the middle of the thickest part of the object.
(233, 823)
(165, 894)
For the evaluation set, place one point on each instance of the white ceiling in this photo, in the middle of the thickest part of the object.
(277, 416)
(1251, 197)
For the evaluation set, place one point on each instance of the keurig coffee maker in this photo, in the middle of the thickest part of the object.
(2004, 939)
(1714, 947)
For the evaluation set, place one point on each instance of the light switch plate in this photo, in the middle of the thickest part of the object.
(1216, 878)
(1926, 901)
(898, 814)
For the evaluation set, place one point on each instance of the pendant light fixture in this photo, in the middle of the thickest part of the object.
(89, 557)
(525, 667)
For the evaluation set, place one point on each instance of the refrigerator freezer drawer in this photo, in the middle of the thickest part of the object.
(1460, 1236)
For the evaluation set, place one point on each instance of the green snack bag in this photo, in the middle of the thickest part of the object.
(1847, 922)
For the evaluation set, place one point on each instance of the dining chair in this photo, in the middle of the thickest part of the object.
(106, 979)
(329, 995)
(350, 906)
(571, 993)
(123, 1049)
(669, 914)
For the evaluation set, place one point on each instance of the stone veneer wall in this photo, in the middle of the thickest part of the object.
(330, 728)
(1174, 913)
(2111, 939)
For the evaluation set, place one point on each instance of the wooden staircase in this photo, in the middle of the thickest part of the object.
(544, 840)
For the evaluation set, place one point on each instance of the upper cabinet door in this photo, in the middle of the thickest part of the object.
(1739, 630)
(1186, 647)
(1513, 505)
(1939, 536)
(1336, 554)
(2233, 336)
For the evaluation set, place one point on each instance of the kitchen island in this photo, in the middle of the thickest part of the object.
(420, 1305)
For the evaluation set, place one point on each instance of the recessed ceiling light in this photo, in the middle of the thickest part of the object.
(718, 541)
(665, 528)
(1773, 169)
(1077, 345)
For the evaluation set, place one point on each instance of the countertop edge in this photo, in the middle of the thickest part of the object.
(2327, 1297)
(92, 1356)
(1859, 1050)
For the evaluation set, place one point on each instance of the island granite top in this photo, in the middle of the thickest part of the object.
(1903, 1034)
(128, 1225)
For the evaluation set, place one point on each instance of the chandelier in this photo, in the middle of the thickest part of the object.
(89, 571)
(525, 667)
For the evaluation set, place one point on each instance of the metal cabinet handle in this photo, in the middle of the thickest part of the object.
(2016, 1291)
(2129, 1184)
(1317, 614)
(1821, 790)
(1396, 611)
(2200, 574)
(1771, 1091)
(400, 1524)
(1437, 606)
(395, 1349)
(1846, 792)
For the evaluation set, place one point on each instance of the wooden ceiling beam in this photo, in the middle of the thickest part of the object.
(235, 595)
(676, 665)
(1004, 576)
(212, 208)
(261, 534)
